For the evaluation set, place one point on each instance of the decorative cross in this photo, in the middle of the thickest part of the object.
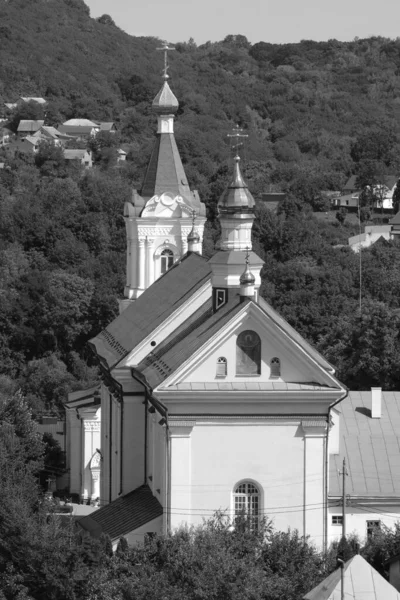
(237, 132)
(193, 218)
(165, 48)
(247, 256)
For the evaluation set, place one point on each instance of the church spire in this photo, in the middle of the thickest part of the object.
(236, 215)
(236, 207)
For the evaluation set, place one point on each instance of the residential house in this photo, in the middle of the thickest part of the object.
(28, 127)
(271, 200)
(5, 134)
(51, 134)
(366, 433)
(80, 129)
(360, 581)
(82, 156)
(383, 194)
(372, 233)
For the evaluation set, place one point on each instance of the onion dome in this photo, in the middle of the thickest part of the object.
(165, 103)
(236, 197)
(193, 237)
(247, 278)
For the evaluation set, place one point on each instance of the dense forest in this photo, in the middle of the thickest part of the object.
(314, 113)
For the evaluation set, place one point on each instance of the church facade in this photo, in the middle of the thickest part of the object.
(210, 400)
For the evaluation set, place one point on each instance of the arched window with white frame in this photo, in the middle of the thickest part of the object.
(247, 502)
(167, 260)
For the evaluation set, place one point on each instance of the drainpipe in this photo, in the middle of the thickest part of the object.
(121, 463)
(325, 544)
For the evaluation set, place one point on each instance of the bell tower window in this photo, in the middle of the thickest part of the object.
(167, 260)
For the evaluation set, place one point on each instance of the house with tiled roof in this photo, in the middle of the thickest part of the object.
(210, 400)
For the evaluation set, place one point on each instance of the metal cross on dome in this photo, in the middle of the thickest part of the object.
(247, 255)
(237, 133)
(194, 214)
(165, 48)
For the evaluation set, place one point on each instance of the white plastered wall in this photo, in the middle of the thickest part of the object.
(210, 460)
(357, 517)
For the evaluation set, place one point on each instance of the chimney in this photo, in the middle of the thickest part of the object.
(376, 404)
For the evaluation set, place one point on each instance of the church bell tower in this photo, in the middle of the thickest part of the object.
(159, 218)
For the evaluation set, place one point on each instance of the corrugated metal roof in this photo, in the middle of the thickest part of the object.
(152, 308)
(124, 515)
(361, 581)
(371, 447)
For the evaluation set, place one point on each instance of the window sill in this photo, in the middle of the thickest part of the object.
(250, 375)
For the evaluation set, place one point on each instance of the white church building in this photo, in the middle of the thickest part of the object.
(209, 399)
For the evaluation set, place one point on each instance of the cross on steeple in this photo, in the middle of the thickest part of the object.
(165, 48)
(194, 214)
(237, 133)
(247, 256)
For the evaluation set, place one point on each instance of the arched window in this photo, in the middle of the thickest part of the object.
(222, 367)
(167, 260)
(248, 353)
(247, 502)
(275, 367)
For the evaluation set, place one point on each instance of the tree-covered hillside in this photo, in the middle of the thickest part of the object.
(314, 114)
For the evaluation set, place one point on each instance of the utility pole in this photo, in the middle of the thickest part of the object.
(344, 473)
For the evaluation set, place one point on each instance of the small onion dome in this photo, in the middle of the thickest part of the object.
(193, 237)
(165, 103)
(247, 278)
(237, 195)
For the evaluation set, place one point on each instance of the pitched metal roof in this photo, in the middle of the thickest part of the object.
(155, 305)
(361, 581)
(123, 515)
(248, 386)
(371, 447)
(29, 125)
(186, 339)
(83, 130)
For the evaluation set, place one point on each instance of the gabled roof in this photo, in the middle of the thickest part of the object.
(371, 447)
(123, 515)
(151, 309)
(361, 581)
(186, 339)
(29, 125)
(196, 331)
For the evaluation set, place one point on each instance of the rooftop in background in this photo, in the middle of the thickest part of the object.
(80, 123)
(29, 125)
(361, 581)
(34, 99)
(371, 447)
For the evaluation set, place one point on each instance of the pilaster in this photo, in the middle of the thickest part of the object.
(181, 471)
